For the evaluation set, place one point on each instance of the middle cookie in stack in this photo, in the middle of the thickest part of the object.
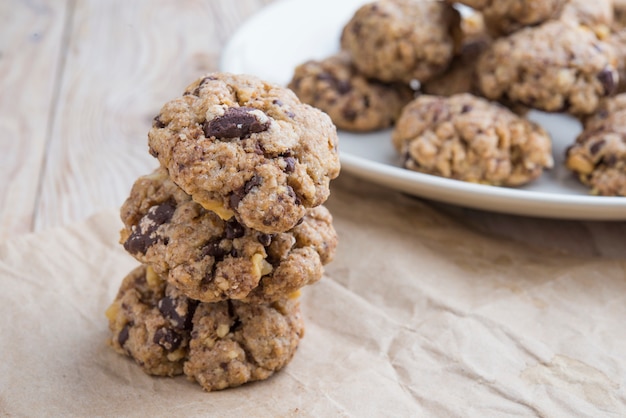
(210, 259)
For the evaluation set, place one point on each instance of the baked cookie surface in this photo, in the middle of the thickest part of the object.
(233, 343)
(503, 17)
(556, 67)
(210, 259)
(219, 345)
(352, 101)
(467, 138)
(401, 40)
(245, 148)
(598, 157)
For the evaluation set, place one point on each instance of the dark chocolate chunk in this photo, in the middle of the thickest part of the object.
(293, 194)
(237, 122)
(143, 235)
(233, 229)
(123, 335)
(607, 79)
(177, 311)
(167, 338)
(290, 164)
(252, 183)
(158, 123)
(264, 239)
(596, 146)
(214, 249)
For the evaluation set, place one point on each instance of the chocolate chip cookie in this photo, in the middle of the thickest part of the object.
(151, 323)
(353, 102)
(599, 155)
(247, 149)
(559, 66)
(401, 40)
(468, 138)
(219, 345)
(211, 259)
(233, 343)
(507, 16)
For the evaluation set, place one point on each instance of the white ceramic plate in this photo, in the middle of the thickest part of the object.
(288, 32)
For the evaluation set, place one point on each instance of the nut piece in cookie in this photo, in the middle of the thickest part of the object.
(151, 323)
(353, 102)
(507, 16)
(559, 66)
(401, 40)
(210, 259)
(245, 148)
(233, 343)
(598, 157)
(467, 138)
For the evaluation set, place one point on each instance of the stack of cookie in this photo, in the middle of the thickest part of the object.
(228, 229)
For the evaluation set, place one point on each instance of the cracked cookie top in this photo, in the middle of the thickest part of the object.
(247, 149)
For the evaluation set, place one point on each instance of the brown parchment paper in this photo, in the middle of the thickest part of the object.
(417, 316)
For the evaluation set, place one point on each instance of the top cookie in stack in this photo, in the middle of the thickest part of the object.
(247, 149)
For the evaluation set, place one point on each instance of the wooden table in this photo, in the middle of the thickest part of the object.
(80, 82)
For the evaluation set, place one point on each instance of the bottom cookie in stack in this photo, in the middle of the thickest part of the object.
(219, 345)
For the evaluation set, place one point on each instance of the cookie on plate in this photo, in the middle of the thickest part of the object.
(468, 138)
(247, 149)
(233, 343)
(210, 259)
(402, 40)
(599, 155)
(559, 66)
(353, 102)
(507, 16)
(151, 323)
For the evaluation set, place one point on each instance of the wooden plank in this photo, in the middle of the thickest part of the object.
(125, 60)
(31, 40)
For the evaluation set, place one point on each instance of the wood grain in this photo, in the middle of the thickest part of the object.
(31, 48)
(125, 60)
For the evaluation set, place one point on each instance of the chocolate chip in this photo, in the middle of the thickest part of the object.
(214, 249)
(607, 79)
(123, 335)
(234, 230)
(235, 198)
(143, 235)
(596, 146)
(290, 114)
(237, 122)
(153, 152)
(290, 164)
(264, 239)
(252, 183)
(176, 311)
(167, 338)
(277, 102)
(466, 108)
(158, 123)
(343, 87)
(293, 194)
